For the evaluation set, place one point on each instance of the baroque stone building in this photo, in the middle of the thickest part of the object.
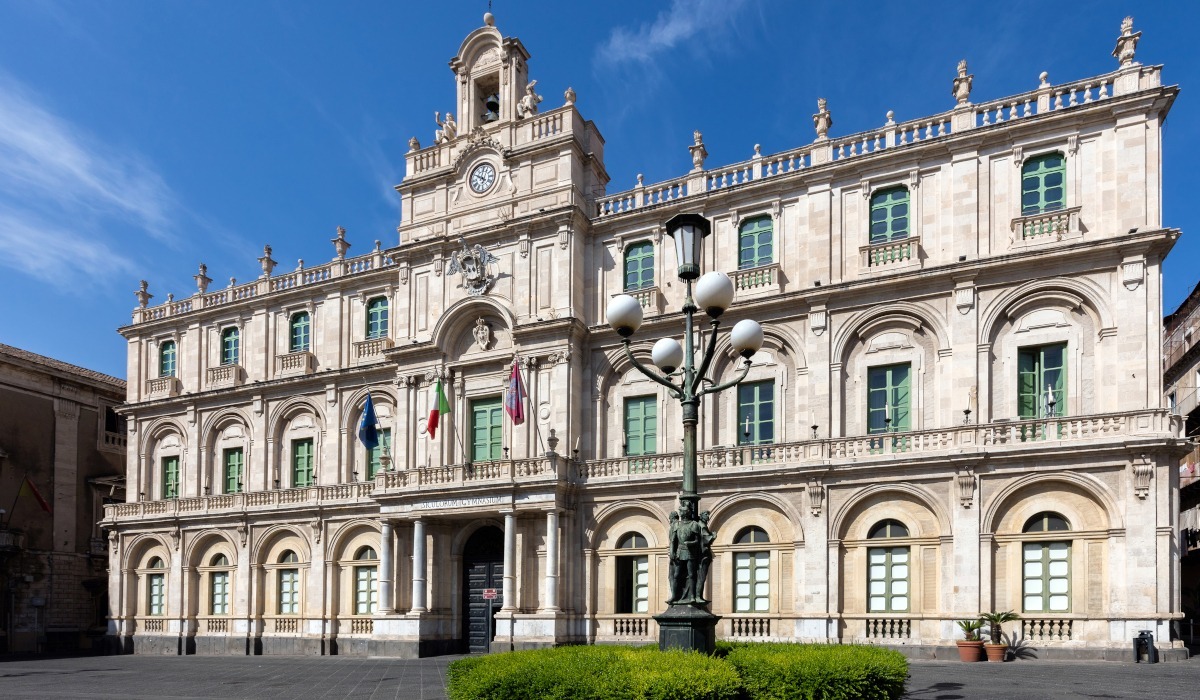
(958, 408)
(59, 430)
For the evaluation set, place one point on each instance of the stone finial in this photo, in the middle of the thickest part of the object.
(552, 440)
(267, 263)
(1126, 43)
(489, 19)
(340, 244)
(699, 152)
(300, 264)
(641, 182)
(758, 150)
(569, 96)
(1044, 79)
(891, 118)
(142, 295)
(378, 245)
(232, 281)
(414, 144)
(962, 85)
(202, 279)
(822, 120)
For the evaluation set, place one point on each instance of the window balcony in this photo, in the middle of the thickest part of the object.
(371, 350)
(649, 297)
(756, 281)
(225, 376)
(890, 256)
(295, 363)
(162, 387)
(1049, 227)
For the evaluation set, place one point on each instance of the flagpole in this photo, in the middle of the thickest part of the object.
(533, 418)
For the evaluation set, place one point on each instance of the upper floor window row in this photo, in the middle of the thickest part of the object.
(377, 318)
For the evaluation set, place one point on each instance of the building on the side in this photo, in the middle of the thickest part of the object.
(1181, 378)
(959, 407)
(59, 430)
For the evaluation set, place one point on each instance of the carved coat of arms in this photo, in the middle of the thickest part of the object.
(473, 262)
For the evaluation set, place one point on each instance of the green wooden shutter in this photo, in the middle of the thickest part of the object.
(229, 346)
(756, 243)
(302, 462)
(301, 326)
(233, 470)
(756, 410)
(377, 318)
(1039, 368)
(641, 425)
(170, 468)
(487, 429)
(374, 461)
(1042, 180)
(166, 359)
(888, 393)
(639, 266)
(889, 215)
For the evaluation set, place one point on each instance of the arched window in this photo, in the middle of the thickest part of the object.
(756, 242)
(633, 577)
(218, 587)
(639, 266)
(1046, 566)
(888, 570)
(377, 318)
(751, 573)
(889, 215)
(166, 359)
(156, 589)
(300, 336)
(230, 346)
(366, 582)
(289, 585)
(1042, 184)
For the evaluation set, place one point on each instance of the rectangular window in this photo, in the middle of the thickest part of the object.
(166, 359)
(233, 470)
(301, 325)
(377, 318)
(889, 400)
(756, 413)
(375, 454)
(756, 243)
(1042, 187)
(889, 215)
(220, 592)
(1046, 574)
(639, 266)
(230, 346)
(641, 425)
(289, 592)
(366, 590)
(633, 585)
(487, 429)
(1042, 381)
(170, 477)
(751, 581)
(887, 579)
(155, 593)
(302, 462)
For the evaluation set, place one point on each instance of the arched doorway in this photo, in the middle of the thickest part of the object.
(483, 577)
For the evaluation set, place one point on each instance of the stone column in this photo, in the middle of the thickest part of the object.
(418, 574)
(551, 603)
(387, 600)
(510, 561)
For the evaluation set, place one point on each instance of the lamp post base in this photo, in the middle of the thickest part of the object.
(687, 627)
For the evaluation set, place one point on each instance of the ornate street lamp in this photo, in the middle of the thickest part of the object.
(687, 623)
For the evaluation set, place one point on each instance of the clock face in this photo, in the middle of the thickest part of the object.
(482, 177)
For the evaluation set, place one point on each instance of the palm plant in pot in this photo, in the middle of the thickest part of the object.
(970, 647)
(997, 649)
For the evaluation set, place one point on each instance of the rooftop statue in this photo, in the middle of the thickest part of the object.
(528, 106)
(1126, 43)
(449, 129)
(822, 120)
(962, 84)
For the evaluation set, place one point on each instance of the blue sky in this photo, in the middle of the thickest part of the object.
(138, 139)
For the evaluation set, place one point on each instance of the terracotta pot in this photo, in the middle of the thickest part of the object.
(970, 651)
(996, 652)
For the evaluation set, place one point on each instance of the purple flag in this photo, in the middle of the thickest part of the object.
(514, 402)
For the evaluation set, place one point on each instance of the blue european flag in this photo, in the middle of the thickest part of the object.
(368, 428)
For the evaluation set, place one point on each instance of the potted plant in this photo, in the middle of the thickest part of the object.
(970, 647)
(997, 649)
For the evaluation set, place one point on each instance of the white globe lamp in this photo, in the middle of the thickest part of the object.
(624, 314)
(667, 355)
(714, 293)
(746, 337)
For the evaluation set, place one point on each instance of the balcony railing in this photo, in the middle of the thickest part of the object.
(765, 278)
(225, 376)
(1052, 225)
(162, 387)
(491, 472)
(371, 349)
(294, 363)
(890, 254)
(237, 502)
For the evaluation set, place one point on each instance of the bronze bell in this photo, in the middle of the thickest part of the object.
(492, 104)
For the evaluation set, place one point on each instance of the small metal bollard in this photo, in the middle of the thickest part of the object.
(1143, 648)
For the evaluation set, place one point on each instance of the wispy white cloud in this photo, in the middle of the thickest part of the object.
(672, 28)
(60, 185)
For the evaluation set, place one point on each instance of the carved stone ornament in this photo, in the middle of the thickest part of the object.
(142, 295)
(569, 96)
(1143, 469)
(822, 120)
(964, 299)
(473, 262)
(816, 496)
(1133, 273)
(965, 481)
(962, 85)
(817, 321)
(176, 536)
(114, 539)
(340, 244)
(1126, 43)
(268, 265)
(315, 525)
(242, 532)
(449, 129)
(202, 279)
(414, 144)
(698, 151)
(482, 333)
(528, 106)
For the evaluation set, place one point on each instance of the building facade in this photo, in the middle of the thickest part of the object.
(958, 407)
(59, 431)
(1181, 377)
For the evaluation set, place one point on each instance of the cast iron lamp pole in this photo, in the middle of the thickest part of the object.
(714, 294)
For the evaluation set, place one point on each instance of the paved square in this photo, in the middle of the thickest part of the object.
(424, 679)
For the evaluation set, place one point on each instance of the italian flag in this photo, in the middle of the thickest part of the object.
(440, 406)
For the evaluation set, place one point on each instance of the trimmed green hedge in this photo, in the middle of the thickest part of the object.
(593, 673)
(817, 671)
(754, 671)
